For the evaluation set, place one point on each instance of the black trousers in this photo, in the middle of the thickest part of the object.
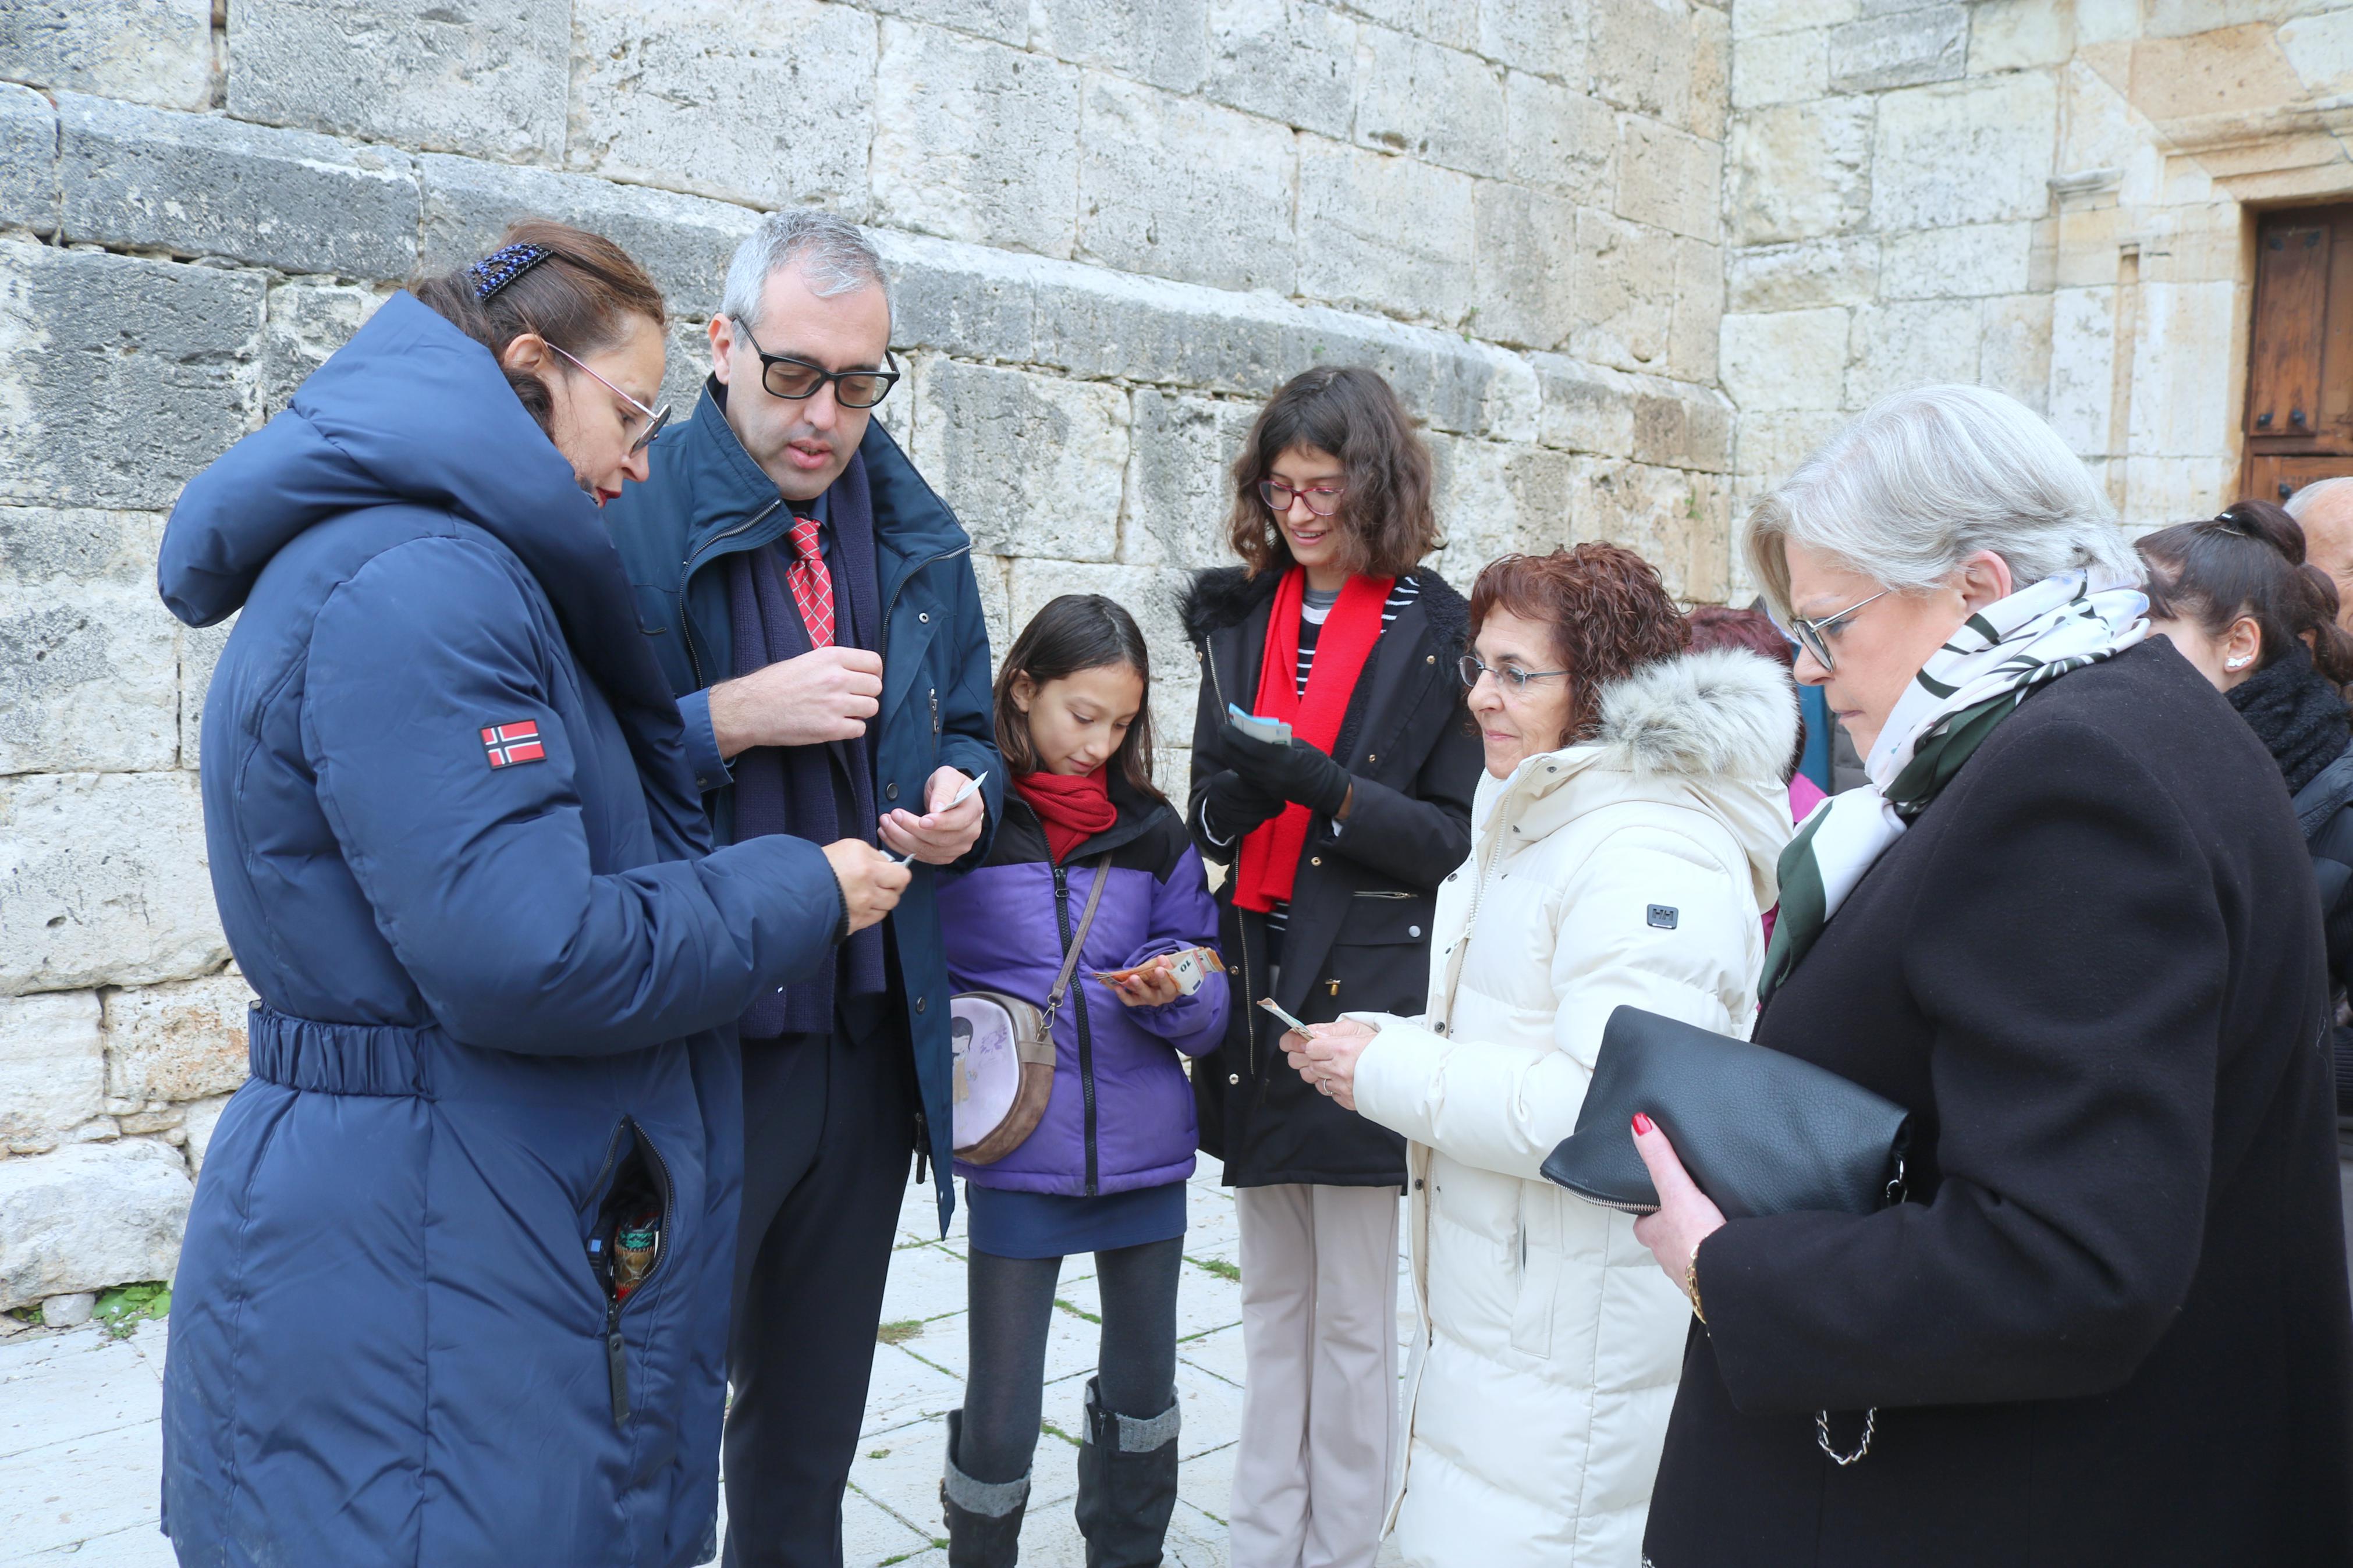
(829, 1134)
(1012, 1302)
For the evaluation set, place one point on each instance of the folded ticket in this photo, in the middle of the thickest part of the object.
(1274, 731)
(1190, 966)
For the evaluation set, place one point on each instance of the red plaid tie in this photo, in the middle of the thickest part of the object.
(812, 583)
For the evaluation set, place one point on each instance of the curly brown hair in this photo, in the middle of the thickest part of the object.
(1388, 523)
(1608, 612)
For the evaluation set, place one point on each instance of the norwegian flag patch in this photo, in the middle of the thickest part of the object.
(511, 744)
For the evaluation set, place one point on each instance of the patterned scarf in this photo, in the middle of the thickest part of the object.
(1998, 658)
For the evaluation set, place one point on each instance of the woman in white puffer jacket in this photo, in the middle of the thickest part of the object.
(1624, 844)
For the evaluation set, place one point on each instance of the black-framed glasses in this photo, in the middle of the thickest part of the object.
(1807, 635)
(1324, 501)
(795, 379)
(1510, 678)
(655, 418)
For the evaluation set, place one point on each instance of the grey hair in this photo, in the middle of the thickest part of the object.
(2304, 499)
(1924, 479)
(831, 252)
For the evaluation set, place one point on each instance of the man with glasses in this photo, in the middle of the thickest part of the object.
(813, 602)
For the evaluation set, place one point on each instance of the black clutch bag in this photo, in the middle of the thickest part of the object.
(1761, 1132)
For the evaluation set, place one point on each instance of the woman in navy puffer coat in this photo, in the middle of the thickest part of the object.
(461, 859)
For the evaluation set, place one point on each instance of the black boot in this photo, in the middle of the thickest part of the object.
(1127, 1484)
(984, 1518)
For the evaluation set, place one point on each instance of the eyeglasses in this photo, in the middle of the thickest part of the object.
(795, 379)
(1324, 501)
(1509, 678)
(655, 419)
(1807, 635)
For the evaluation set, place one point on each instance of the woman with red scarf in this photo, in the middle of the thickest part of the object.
(1336, 840)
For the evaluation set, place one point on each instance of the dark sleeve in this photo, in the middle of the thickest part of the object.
(2067, 945)
(1421, 836)
(1208, 760)
(2332, 872)
(967, 717)
(481, 877)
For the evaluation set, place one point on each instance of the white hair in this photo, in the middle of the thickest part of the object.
(1924, 479)
(832, 253)
(2304, 500)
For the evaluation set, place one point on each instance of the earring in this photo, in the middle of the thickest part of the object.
(2234, 664)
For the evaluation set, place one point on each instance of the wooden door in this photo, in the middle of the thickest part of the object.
(2299, 416)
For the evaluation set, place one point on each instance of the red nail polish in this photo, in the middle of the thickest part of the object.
(1641, 1122)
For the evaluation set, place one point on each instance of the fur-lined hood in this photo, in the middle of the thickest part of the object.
(1704, 731)
(1724, 711)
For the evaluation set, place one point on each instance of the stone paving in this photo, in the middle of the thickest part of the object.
(79, 1433)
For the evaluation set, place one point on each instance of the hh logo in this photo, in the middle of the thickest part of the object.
(511, 744)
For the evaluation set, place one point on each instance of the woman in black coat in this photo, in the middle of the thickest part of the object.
(2070, 929)
(2235, 595)
(1334, 845)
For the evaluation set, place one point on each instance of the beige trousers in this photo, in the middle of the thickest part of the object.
(1319, 1431)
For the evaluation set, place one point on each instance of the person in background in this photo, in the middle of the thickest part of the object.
(1335, 845)
(1719, 626)
(1104, 1171)
(455, 1283)
(2104, 1318)
(784, 555)
(1630, 814)
(2236, 596)
(2324, 510)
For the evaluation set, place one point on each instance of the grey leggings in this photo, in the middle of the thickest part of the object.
(1012, 1301)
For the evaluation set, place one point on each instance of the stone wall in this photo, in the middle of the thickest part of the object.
(1112, 227)
(2049, 196)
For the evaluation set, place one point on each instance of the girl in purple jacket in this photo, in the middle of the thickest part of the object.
(1104, 1169)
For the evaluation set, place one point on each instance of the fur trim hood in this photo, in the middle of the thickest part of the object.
(1708, 732)
(1724, 711)
(1223, 597)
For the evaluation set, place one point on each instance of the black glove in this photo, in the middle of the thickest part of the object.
(1294, 772)
(1231, 809)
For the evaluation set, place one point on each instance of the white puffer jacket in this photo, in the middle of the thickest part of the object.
(1631, 869)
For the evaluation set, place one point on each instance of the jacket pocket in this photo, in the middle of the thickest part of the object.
(1380, 955)
(631, 1221)
(1540, 1260)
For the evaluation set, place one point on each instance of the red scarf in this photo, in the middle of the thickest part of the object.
(1074, 806)
(1269, 862)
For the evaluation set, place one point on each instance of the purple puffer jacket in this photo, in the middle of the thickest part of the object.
(1122, 1112)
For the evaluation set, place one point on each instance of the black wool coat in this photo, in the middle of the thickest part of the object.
(2324, 810)
(2110, 1326)
(1358, 937)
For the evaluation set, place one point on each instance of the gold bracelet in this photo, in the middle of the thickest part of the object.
(1691, 1283)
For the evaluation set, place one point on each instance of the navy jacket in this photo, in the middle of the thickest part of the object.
(1122, 1112)
(497, 974)
(708, 499)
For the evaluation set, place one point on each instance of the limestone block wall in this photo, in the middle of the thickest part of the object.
(2050, 196)
(1114, 227)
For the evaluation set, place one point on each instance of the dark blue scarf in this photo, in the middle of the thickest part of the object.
(804, 790)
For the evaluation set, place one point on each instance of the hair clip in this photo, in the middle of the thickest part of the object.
(503, 265)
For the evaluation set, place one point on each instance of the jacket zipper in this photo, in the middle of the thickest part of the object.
(1079, 998)
(617, 1364)
(686, 573)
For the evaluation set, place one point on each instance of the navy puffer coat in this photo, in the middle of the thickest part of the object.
(461, 860)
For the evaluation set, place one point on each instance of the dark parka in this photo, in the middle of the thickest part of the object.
(2324, 810)
(1358, 935)
(498, 983)
(2111, 1324)
(707, 500)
